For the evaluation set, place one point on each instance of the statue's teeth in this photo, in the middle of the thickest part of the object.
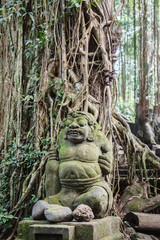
(74, 133)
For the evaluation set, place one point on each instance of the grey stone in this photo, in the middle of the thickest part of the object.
(83, 213)
(96, 229)
(105, 229)
(130, 230)
(38, 210)
(142, 236)
(55, 213)
(138, 236)
(133, 235)
(83, 157)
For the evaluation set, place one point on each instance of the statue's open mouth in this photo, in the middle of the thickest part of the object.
(74, 133)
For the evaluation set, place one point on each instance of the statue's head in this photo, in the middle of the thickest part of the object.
(80, 126)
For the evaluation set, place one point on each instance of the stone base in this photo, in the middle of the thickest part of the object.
(99, 229)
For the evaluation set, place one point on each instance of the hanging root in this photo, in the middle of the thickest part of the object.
(27, 186)
(134, 148)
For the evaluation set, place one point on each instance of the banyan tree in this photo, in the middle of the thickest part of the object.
(56, 56)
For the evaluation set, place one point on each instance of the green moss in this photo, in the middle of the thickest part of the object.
(84, 232)
(53, 199)
(63, 150)
(61, 136)
(23, 228)
(100, 135)
(136, 205)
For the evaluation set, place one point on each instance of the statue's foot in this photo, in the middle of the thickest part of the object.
(38, 210)
(56, 213)
(83, 213)
(96, 198)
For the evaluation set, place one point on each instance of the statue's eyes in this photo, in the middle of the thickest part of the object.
(68, 123)
(81, 123)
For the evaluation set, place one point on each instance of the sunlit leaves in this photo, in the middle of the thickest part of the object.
(74, 3)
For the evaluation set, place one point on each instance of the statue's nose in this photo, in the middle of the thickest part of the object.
(73, 125)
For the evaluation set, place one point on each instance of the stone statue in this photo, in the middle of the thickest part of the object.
(75, 173)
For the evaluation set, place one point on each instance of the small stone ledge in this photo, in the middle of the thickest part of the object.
(99, 229)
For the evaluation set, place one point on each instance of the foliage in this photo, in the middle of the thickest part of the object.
(73, 3)
(76, 4)
(18, 158)
(59, 87)
(127, 109)
(128, 66)
(7, 220)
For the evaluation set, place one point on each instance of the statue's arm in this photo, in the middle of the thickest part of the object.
(105, 162)
(52, 184)
(106, 158)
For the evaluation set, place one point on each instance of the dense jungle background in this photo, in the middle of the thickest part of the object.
(101, 57)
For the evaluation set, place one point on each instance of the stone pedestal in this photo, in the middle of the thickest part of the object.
(100, 229)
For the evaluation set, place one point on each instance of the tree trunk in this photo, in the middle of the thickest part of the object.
(135, 50)
(143, 101)
(144, 221)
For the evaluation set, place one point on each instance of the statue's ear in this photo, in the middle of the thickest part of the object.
(91, 135)
(65, 135)
(62, 136)
(63, 123)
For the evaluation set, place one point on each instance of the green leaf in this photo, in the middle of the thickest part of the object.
(31, 16)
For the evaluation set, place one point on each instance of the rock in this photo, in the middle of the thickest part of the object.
(38, 210)
(83, 213)
(133, 235)
(130, 231)
(56, 213)
(142, 236)
(146, 236)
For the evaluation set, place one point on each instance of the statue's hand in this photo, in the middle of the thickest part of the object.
(52, 154)
(105, 162)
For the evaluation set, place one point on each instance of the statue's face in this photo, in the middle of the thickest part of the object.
(77, 129)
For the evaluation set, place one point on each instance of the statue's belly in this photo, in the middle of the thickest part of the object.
(74, 173)
(85, 152)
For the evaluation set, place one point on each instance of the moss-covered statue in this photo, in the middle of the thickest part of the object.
(75, 174)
